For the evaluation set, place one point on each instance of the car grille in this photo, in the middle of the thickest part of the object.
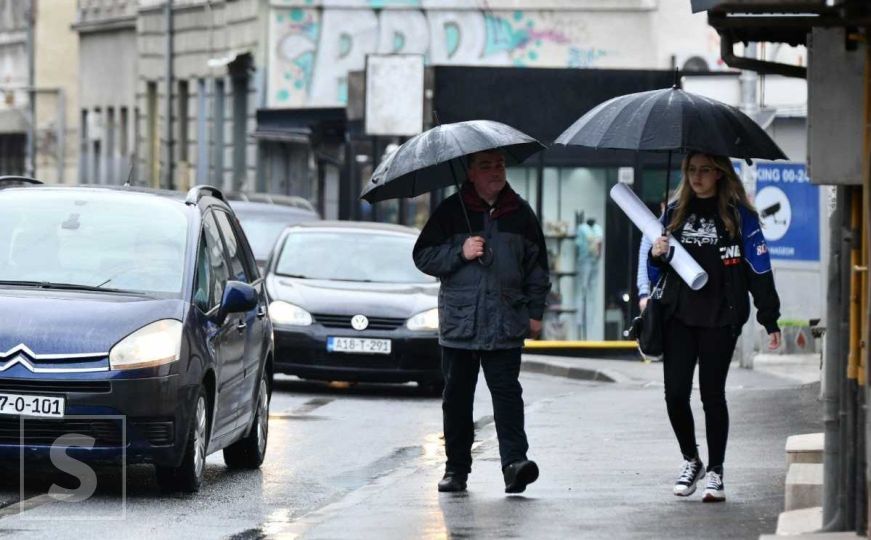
(344, 321)
(30, 385)
(44, 431)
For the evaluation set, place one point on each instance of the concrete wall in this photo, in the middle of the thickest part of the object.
(13, 52)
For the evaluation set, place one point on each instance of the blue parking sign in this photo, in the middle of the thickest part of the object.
(789, 211)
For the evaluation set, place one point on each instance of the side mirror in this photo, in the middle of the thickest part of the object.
(238, 298)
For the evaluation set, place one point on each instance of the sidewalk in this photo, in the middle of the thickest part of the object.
(608, 460)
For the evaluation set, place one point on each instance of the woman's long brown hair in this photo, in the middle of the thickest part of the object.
(730, 191)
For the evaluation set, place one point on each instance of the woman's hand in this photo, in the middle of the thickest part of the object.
(660, 246)
(773, 340)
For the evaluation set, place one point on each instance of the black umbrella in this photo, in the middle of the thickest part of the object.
(427, 161)
(424, 162)
(671, 120)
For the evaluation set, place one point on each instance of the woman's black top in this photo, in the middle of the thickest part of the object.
(700, 235)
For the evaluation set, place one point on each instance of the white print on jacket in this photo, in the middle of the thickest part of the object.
(699, 231)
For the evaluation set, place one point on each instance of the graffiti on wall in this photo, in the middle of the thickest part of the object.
(313, 50)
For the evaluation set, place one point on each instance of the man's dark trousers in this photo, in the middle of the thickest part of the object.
(501, 371)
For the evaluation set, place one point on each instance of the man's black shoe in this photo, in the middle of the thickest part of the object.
(452, 482)
(519, 474)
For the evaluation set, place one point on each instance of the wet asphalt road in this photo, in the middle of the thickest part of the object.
(362, 462)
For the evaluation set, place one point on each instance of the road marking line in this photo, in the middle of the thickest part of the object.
(27, 504)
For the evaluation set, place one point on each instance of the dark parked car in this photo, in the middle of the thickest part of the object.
(347, 303)
(263, 216)
(136, 318)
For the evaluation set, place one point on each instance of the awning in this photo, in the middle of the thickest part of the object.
(704, 5)
(301, 126)
(290, 134)
(12, 121)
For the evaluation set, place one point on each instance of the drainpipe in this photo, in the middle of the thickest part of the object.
(168, 165)
(852, 390)
(30, 164)
(748, 81)
(832, 516)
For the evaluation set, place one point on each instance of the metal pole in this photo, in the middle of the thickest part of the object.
(832, 517)
(30, 166)
(168, 164)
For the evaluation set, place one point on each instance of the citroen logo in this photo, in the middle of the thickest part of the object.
(359, 322)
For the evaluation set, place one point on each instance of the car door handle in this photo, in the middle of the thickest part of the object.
(241, 325)
(261, 312)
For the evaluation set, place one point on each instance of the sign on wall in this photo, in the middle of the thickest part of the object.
(394, 94)
(789, 211)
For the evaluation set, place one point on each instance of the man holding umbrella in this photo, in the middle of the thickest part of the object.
(493, 289)
(486, 247)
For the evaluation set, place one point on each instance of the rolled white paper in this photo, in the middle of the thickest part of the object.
(685, 266)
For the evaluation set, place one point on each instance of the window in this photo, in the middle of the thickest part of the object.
(217, 273)
(218, 115)
(123, 136)
(240, 130)
(202, 134)
(153, 139)
(109, 158)
(182, 120)
(234, 249)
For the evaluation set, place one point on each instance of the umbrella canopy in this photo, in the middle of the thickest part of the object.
(671, 120)
(423, 163)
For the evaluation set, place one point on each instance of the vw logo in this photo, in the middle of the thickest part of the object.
(359, 322)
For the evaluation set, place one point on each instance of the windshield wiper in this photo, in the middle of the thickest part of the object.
(65, 286)
(298, 276)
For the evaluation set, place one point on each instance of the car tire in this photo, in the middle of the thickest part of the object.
(250, 451)
(188, 476)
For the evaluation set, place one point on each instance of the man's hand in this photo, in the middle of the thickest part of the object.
(642, 303)
(534, 328)
(773, 340)
(473, 248)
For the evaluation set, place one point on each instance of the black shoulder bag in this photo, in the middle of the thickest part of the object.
(647, 328)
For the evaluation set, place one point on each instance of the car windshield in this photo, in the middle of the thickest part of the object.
(350, 256)
(92, 238)
(262, 229)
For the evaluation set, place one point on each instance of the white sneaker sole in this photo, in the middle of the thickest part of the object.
(686, 491)
(712, 496)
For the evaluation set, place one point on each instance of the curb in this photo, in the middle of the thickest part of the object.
(570, 372)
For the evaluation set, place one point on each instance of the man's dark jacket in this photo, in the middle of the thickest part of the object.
(486, 307)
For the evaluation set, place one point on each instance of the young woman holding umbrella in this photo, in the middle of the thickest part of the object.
(712, 218)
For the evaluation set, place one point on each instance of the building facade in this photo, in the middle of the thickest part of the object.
(14, 78)
(56, 61)
(108, 59)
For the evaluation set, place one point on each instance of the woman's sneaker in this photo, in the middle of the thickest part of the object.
(693, 470)
(714, 489)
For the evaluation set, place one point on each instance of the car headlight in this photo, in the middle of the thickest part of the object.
(427, 320)
(284, 313)
(152, 345)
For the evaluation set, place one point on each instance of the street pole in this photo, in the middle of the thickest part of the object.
(30, 164)
(168, 169)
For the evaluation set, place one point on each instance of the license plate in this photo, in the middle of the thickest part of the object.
(358, 345)
(29, 405)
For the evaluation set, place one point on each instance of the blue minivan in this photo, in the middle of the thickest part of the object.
(134, 321)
